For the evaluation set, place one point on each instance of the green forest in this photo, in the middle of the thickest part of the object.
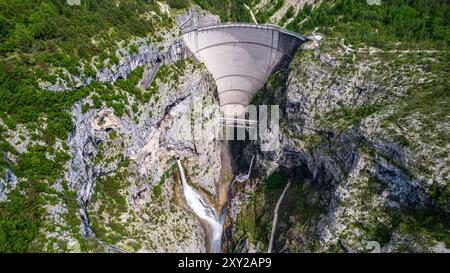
(36, 39)
(39, 37)
(228, 11)
(415, 22)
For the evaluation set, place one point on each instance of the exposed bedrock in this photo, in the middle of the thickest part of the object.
(361, 180)
(138, 151)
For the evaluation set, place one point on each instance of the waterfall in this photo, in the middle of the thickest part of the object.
(204, 211)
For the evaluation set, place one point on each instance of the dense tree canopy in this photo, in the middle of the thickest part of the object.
(414, 21)
(36, 39)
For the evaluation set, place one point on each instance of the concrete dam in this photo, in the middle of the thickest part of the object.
(240, 57)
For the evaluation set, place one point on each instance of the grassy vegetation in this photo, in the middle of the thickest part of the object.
(178, 4)
(228, 11)
(420, 25)
(57, 32)
(273, 91)
(21, 217)
(290, 12)
(440, 194)
(109, 195)
(35, 165)
(23, 103)
(109, 199)
(38, 39)
(111, 187)
(263, 15)
(255, 219)
(425, 223)
(423, 22)
(5, 147)
(301, 15)
(169, 75)
(420, 224)
(427, 100)
(344, 117)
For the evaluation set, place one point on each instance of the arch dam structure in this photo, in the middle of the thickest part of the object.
(240, 57)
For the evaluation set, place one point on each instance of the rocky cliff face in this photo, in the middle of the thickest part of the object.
(119, 189)
(122, 169)
(374, 164)
(7, 184)
(363, 134)
(121, 179)
(148, 52)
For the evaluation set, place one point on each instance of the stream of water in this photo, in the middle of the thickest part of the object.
(204, 211)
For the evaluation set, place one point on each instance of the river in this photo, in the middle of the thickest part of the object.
(204, 211)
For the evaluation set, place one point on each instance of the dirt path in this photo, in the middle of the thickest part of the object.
(251, 14)
(275, 214)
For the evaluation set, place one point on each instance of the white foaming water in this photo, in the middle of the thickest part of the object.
(203, 210)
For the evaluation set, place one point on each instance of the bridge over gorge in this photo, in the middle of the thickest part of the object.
(240, 57)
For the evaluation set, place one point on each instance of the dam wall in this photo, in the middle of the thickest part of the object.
(241, 57)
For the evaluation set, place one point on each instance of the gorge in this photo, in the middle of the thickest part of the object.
(100, 149)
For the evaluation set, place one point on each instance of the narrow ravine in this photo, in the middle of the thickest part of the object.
(204, 211)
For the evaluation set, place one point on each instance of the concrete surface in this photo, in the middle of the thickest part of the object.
(241, 57)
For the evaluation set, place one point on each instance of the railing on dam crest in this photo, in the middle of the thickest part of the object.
(242, 25)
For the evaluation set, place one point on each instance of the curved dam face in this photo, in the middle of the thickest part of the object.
(241, 57)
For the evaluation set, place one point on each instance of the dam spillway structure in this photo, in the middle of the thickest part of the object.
(240, 57)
